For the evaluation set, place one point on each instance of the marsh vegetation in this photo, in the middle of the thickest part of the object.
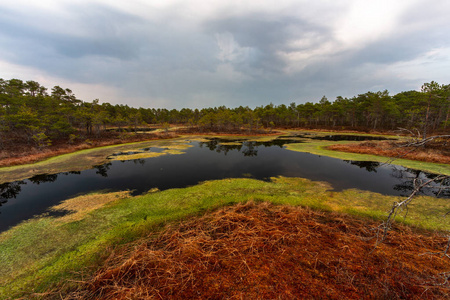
(145, 168)
(92, 217)
(83, 230)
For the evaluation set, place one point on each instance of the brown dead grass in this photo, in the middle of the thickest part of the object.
(262, 251)
(17, 151)
(233, 132)
(82, 205)
(20, 153)
(438, 152)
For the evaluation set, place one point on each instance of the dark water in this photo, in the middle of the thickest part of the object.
(204, 161)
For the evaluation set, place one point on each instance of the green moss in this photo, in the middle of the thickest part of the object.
(85, 159)
(81, 160)
(141, 154)
(319, 148)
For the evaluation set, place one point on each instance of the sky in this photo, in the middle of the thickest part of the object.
(197, 53)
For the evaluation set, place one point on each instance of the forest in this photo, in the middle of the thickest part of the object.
(30, 112)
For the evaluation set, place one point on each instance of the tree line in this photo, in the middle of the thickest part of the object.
(30, 112)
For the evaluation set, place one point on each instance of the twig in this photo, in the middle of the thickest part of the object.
(397, 206)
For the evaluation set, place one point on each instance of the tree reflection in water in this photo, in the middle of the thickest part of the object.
(102, 170)
(202, 162)
(408, 178)
(370, 166)
(41, 178)
(248, 148)
(412, 178)
(9, 190)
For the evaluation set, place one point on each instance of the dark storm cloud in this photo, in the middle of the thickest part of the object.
(95, 30)
(397, 48)
(99, 44)
(267, 35)
(74, 47)
(181, 54)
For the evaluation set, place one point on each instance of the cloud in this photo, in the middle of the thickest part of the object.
(97, 30)
(196, 54)
(230, 50)
(266, 42)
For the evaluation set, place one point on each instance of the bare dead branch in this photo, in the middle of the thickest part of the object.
(397, 207)
(422, 142)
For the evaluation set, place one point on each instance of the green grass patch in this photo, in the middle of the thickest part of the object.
(41, 253)
(325, 133)
(83, 159)
(319, 148)
(424, 211)
(141, 154)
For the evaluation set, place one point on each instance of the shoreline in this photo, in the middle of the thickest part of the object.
(23, 154)
(33, 155)
(85, 155)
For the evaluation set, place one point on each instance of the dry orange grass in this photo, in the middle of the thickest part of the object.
(262, 251)
(33, 154)
(82, 205)
(19, 154)
(431, 153)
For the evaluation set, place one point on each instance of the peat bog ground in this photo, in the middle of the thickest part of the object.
(265, 251)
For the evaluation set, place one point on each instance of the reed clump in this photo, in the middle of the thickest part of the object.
(266, 251)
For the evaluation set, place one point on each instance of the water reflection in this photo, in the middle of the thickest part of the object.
(10, 190)
(411, 179)
(139, 161)
(143, 150)
(369, 166)
(102, 170)
(216, 145)
(38, 179)
(247, 148)
(208, 160)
